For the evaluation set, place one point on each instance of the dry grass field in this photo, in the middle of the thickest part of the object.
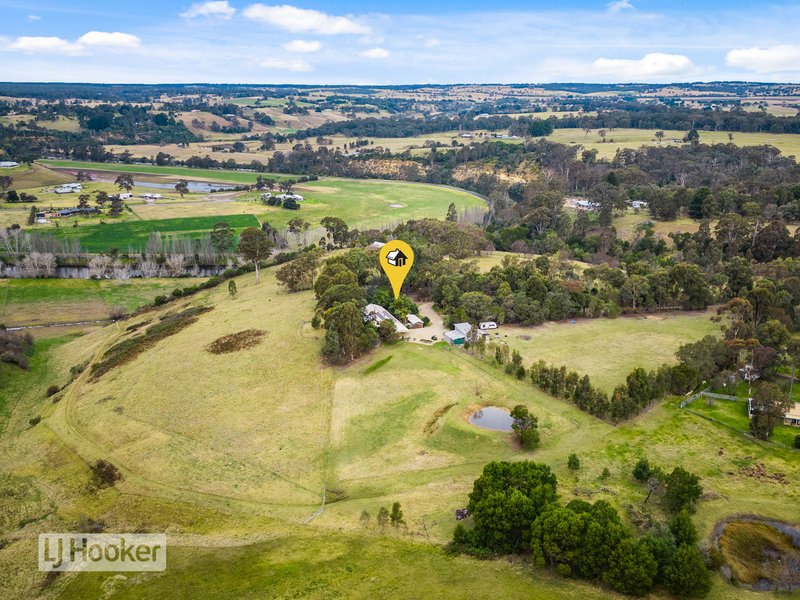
(230, 453)
(608, 349)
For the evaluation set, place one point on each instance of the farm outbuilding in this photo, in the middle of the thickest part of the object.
(414, 322)
(455, 337)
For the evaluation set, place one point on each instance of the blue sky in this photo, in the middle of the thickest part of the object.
(413, 41)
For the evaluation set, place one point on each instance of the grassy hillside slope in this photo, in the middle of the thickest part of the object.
(230, 453)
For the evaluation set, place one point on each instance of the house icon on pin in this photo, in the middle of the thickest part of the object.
(396, 258)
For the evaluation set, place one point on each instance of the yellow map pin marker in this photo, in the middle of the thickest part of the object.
(396, 258)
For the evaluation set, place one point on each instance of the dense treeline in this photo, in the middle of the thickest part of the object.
(515, 510)
(634, 115)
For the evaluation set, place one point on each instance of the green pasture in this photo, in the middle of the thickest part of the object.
(133, 234)
(608, 349)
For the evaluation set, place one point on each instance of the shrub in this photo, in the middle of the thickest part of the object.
(573, 462)
(159, 300)
(35, 420)
(53, 390)
(104, 474)
(236, 341)
(642, 470)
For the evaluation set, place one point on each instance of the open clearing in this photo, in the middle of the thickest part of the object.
(360, 203)
(133, 234)
(788, 144)
(608, 349)
(230, 453)
(45, 301)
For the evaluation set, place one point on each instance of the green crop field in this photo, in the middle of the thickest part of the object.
(134, 233)
(44, 301)
(231, 454)
(608, 349)
(219, 175)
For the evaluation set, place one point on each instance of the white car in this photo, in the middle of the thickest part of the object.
(487, 325)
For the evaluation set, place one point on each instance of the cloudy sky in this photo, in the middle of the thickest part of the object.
(413, 41)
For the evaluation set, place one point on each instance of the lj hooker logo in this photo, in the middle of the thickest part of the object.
(102, 552)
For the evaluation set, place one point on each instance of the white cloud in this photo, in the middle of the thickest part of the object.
(651, 65)
(375, 53)
(44, 45)
(619, 5)
(299, 20)
(286, 64)
(107, 39)
(34, 18)
(774, 59)
(209, 9)
(432, 43)
(302, 46)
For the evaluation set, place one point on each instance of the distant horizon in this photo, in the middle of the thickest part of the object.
(413, 84)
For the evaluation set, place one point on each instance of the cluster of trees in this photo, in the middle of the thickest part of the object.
(531, 292)
(515, 510)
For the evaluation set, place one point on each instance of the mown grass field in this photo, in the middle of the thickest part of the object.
(608, 349)
(360, 203)
(229, 455)
(25, 177)
(133, 234)
(44, 301)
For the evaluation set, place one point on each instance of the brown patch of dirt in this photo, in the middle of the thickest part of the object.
(236, 341)
(758, 471)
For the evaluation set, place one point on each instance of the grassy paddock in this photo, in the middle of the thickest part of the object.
(734, 415)
(787, 143)
(608, 349)
(134, 233)
(360, 203)
(230, 453)
(44, 301)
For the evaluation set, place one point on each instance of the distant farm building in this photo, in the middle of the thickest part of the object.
(151, 197)
(414, 322)
(376, 245)
(639, 204)
(8, 164)
(377, 314)
(295, 197)
(66, 212)
(68, 188)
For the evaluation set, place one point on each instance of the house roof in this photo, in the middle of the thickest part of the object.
(414, 319)
(794, 412)
(462, 328)
(454, 335)
(377, 313)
